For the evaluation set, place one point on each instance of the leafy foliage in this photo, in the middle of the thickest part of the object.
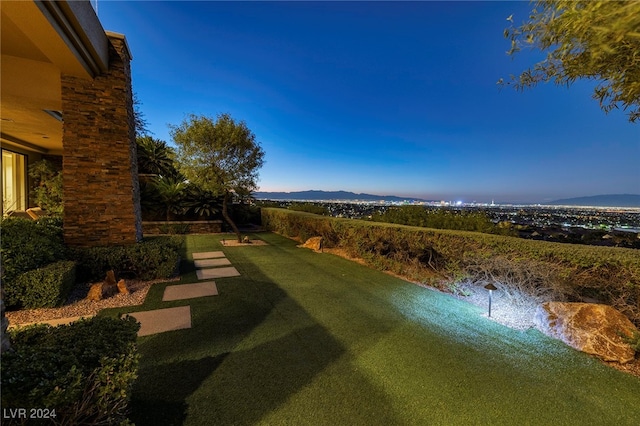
(28, 245)
(596, 40)
(84, 371)
(439, 257)
(220, 156)
(48, 189)
(155, 157)
(202, 202)
(140, 123)
(152, 258)
(171, 194)
(44, 287)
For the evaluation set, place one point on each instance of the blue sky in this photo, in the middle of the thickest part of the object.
(389, 98)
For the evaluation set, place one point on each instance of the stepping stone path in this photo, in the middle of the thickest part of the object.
(207, 274)
(212, 265)
(161, 320)
(189, 291)
(209, 265)
(208, 255)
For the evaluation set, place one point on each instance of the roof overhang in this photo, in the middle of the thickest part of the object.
(41, 40)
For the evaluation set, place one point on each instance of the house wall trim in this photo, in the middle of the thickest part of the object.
(78, 25)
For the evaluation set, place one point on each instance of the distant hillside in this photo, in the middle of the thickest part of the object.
(327, 195)
(611, 200)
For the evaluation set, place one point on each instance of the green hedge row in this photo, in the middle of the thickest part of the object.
(156, 257)
(44, 287)
(28, 244)
(440, 257)
(83, 371)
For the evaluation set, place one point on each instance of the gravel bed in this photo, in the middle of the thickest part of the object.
(78, 306)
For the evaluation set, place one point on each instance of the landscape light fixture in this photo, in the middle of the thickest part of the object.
(490, 287)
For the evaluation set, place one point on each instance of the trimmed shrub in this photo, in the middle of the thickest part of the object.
(150, 259)
(84, 371)
(44, 287)
(28, 245)
(440, 257)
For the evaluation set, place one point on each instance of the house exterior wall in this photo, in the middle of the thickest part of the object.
(101, 191)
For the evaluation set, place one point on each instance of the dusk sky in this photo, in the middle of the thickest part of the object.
(387, 98)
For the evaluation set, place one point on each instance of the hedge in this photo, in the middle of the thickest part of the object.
(150, 259)
(440, 257)
(83, 371)
(28, 245)
(44, 287)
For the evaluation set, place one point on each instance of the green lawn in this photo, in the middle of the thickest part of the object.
(310, 338)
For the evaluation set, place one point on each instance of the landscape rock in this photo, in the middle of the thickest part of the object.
(313, 243)
(110, 286)
(122, 287)
(110, 279)
(592, 328)
(95, 292)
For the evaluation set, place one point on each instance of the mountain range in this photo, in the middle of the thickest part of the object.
(316, 195)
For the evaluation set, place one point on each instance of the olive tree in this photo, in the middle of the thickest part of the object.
(584, 39)
(221, 156)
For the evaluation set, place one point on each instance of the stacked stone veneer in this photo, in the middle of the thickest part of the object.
(100, 172)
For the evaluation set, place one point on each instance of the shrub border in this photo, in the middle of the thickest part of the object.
(610, 274)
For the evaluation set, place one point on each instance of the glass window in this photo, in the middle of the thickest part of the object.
(14, 182)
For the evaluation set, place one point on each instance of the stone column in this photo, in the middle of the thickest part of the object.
(100, 172)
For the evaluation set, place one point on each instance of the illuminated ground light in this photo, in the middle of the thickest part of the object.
(490, 287)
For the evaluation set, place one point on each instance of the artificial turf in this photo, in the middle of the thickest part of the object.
(305, 338)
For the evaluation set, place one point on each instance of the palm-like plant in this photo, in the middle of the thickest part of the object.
(171, 194)
(203, 202)
(155, 157)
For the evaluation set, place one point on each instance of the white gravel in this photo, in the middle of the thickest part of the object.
(78, 306)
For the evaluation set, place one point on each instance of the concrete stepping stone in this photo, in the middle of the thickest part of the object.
(189, 291)
(210, 263)
(207, 274)
(161, 320)
(208, 255)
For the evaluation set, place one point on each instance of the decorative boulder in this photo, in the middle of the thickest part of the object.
(122, 287)
(95, 292)
(313, 243)
(110, 279)
(591, 328)
(107, 288)
(110, 287)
